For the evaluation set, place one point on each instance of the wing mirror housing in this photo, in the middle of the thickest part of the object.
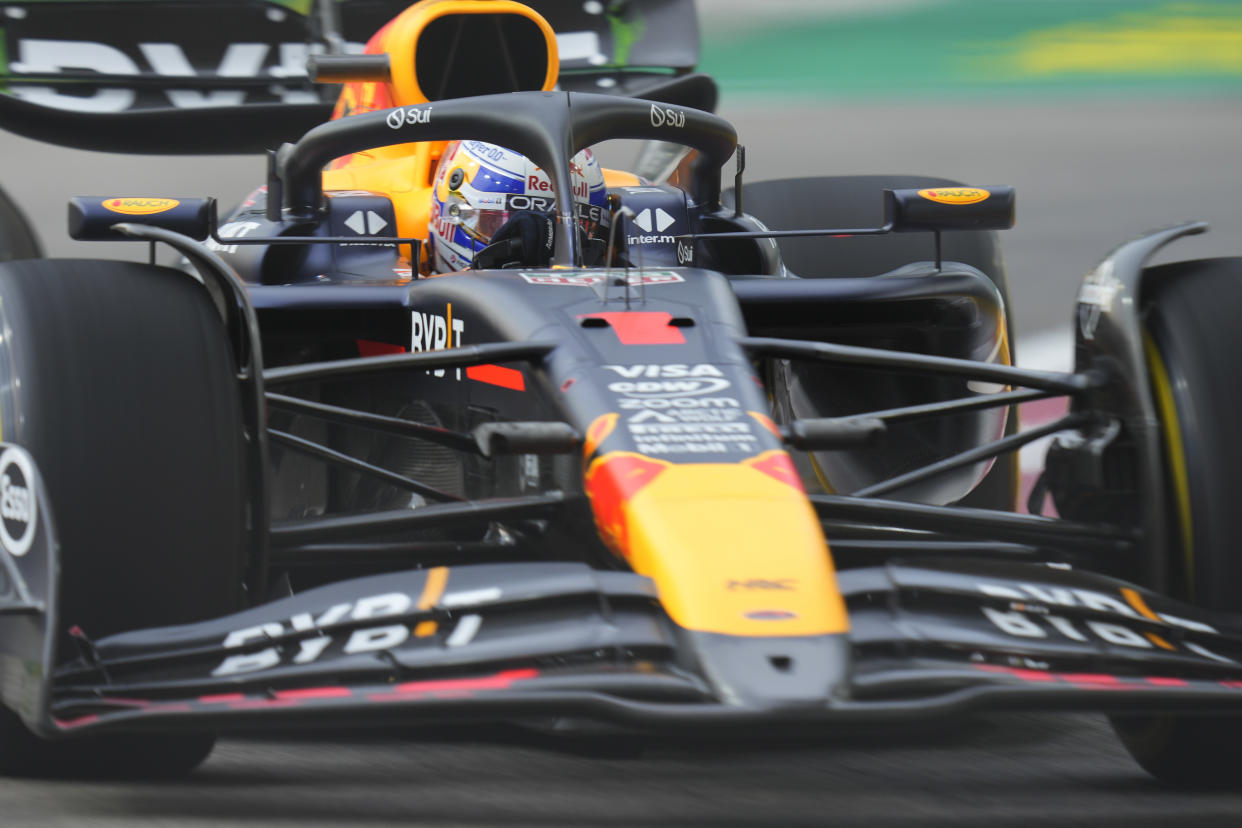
(91, 217)
(949, 208)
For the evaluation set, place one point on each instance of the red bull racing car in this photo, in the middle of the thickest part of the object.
(699, 453)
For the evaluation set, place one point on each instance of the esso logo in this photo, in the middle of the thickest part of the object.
(18, 506)
(411, 115)
(661, 116)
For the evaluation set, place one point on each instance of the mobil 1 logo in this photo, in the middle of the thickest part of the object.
(18, 505)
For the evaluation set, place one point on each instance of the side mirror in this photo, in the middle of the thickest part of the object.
(949, 208)
(91, 217)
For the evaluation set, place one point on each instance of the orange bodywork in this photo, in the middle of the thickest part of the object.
(734, 548)
(405, 172)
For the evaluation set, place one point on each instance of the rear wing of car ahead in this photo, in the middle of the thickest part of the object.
(178, 77)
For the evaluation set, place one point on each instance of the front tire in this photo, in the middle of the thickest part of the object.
(1193, 339)
(120, 384)
(17, 237)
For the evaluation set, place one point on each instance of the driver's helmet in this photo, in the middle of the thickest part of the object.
(479, 186)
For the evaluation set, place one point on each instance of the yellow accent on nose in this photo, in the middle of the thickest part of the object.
(733, 551)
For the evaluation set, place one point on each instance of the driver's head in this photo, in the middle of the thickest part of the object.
(485, 193)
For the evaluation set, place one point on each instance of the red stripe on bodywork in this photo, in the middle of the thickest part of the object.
(777, 465)
(1025, 675)
(641, 327)
(1159, 681)
(221, 698)
(610, 483)
(499, 681)
(315, 693)
(370, 348)
(497, 375)
(69, 724)
(1089, 678)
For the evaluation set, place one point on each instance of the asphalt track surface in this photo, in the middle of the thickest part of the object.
(1089, 173)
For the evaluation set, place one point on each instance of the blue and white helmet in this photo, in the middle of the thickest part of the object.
(478, 186)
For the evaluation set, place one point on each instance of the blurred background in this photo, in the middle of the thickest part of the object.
(1110, 117)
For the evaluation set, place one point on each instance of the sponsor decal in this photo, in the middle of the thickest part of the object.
(685, 253)
(361, 639)
(409, 116)
(666, 116)
(656, 222)
(19, 508)
(368, 223)
(677, 414)
(139, 206)
(435, 332)
(45, 56)
(688, 415)
(232, 230)
(693, 438)
(1030, 614)
(547, 204)
(662, 403)
(956, 195)
(488, 151)
(762, 584)
(770, 615)
(538, 182)
(658, 277)
(675, 370)
(675, 380)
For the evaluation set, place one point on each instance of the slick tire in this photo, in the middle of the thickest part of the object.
(1192, 346)
(856, 201)
(119, 382)
(17, 237)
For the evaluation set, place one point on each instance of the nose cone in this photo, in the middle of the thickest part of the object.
(773, 673)
(734, 548)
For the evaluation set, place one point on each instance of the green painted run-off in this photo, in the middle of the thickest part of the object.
(987, 46)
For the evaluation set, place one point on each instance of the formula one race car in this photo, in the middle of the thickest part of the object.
(708, 468)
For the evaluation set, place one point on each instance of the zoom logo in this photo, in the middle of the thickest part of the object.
(398, 118)
(667, 117)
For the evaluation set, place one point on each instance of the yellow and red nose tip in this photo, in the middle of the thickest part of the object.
(733, 548)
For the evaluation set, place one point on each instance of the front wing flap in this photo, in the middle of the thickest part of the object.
(506, 641)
